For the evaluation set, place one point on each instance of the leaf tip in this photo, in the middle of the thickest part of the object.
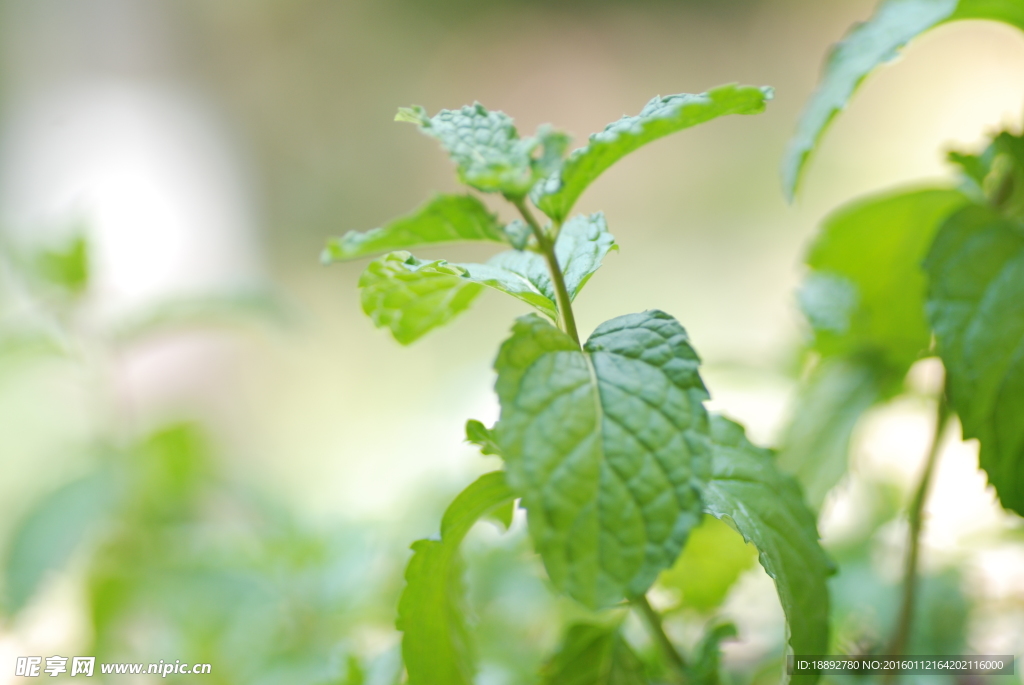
(412, 115)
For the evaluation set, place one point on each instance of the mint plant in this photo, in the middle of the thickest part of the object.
(909, 274)
(606, 442)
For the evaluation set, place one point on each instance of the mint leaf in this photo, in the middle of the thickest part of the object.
(604, 446)
(557, 194)
(817, 441)
(481, 436)
(436, 644)
(711, 562)
(554, 145)
(412, 296)
(865, 295)
(444, 219)
(52, 530)
(767, 508)
(996, 176)
(976, 306)
(66, 265)
(485, 146)
(593, 654)
(866, 47)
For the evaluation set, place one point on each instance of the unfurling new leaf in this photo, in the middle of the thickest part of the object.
(436, 645)
(606, 445)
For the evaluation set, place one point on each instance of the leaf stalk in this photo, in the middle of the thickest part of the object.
(653, 620)
(547, 247)
(915, 515)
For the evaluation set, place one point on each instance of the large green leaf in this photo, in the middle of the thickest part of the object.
(817, 441)
(444, 219)
(869, 45)
(768, 509)
(485, 146)
(605, 447)
(411, 296)
(593, 654)
(556, 194)
(436, 645)
(865, 295)
(976, 306)
(52, 530)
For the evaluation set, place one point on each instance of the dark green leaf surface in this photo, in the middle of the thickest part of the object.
(606, 446)
(444, 219)
(976, 306)
(768, 509)
(593, 654)
(45, 539)
(436, 645)
(866, 47)
(487, 151)
(557, 194)
(816, 444)
(865, 295)
(411, 296)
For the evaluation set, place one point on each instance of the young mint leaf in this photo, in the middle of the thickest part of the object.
(518, 234)
(411, 296)
(444, 219)
(996, 176)
(593, 654)
(66, 265)
(868, 46)
(711, 562)
(767, 508)
(556, 194)
(604, 446)
(52, 530)
(817, 441)
(436, 644)
(554, 145)
(485, 146)
(481, 436)
(865, 295)
(976, 307)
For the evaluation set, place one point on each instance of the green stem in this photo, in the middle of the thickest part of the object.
(547, 247)
(653, 620)
(915, 516)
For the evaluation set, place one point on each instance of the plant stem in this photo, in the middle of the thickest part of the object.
(547, 247)
(653, 620)
(915, 516)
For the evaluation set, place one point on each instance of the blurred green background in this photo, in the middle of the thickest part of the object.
(244, 459)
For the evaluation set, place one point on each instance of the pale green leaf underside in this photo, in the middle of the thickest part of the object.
(768, 509)
(444, 219)
(556, 194)
(865, 295)
(869, 45)
(50, 533)
(816, 444)
(593, 654)
(436, 646)
(606, 446)
(976, 307)
(412, 296)
(487, 151)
